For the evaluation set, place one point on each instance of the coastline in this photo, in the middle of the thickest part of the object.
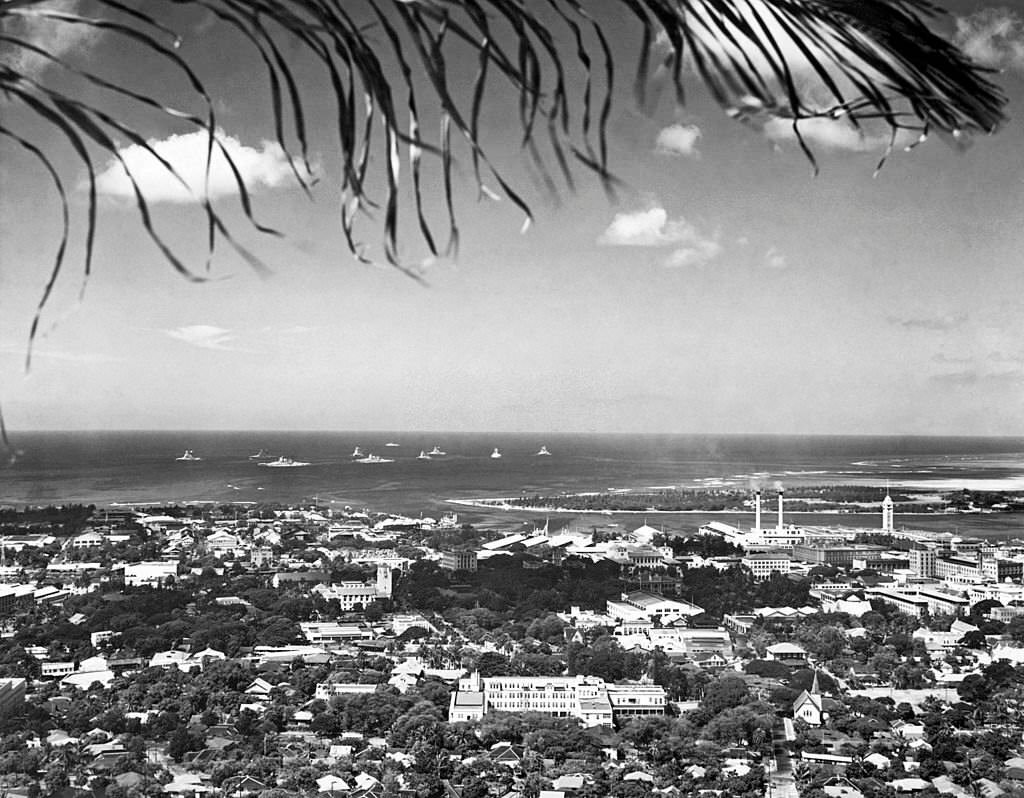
(492, 504)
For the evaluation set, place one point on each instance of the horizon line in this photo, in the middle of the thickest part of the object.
(398, 431)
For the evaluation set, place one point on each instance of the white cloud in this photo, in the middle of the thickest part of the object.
(834, 134)
(774, 259)
(59, 38)
(653, 228)
(41, 352)
(678, 140)
(265, 166)
(992, 37)
(696, 254)
(727, 42)
(638, 229)
(204, 336)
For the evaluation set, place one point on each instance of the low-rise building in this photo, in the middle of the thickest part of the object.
(788, 653)
(325, 691)
(152, 574)
(640, 604)
(330, 633)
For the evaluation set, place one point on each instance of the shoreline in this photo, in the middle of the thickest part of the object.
(489, 504)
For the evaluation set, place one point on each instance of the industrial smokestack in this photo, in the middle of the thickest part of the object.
(780, 511)
(757, 510)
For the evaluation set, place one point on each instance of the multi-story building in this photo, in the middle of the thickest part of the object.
(589, 699)
(631, 700)
(922, 561)
(763, 564)
(87, 540)
(921, 601)
(978, 568)
(1006, 593)
(12, 696)
(352, 594)
(675, 640)
(459, 560)
(14, 597)
(638, 556)
(838, 556)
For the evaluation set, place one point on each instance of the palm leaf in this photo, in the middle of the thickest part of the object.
(872, 62)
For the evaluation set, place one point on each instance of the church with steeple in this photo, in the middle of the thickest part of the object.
(809, 706)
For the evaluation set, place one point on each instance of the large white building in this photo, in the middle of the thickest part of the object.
(589, 699)
(152, 574)
(643, 606)
(763, 564)
(352, 594)
(330, 633)
(921, 601)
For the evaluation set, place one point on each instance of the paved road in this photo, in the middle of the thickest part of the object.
(781, 783)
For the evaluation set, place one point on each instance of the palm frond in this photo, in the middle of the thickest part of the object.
(862, 61)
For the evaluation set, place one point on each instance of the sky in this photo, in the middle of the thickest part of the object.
(724, 289)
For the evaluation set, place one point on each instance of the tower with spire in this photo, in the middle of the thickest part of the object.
(887, 511)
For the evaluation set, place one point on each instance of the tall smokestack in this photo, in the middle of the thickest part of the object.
(757, 510)
(780, 511)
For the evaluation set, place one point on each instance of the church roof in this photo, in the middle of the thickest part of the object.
(804, 698)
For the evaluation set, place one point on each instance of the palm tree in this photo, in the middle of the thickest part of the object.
(388, 62)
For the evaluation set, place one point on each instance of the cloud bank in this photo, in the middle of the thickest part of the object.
(830, 134)
(265, 166)
(992, 37)
(653, 228)
(60, 39)
(974, 377)
(942, 323)
(203, 336)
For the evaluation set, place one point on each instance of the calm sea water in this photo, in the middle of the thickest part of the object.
(140, 467)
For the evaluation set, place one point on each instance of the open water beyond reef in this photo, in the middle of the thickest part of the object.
(108, 468)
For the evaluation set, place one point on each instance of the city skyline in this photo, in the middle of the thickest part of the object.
(725, 290)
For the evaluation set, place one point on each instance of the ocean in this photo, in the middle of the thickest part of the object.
(117, 468)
